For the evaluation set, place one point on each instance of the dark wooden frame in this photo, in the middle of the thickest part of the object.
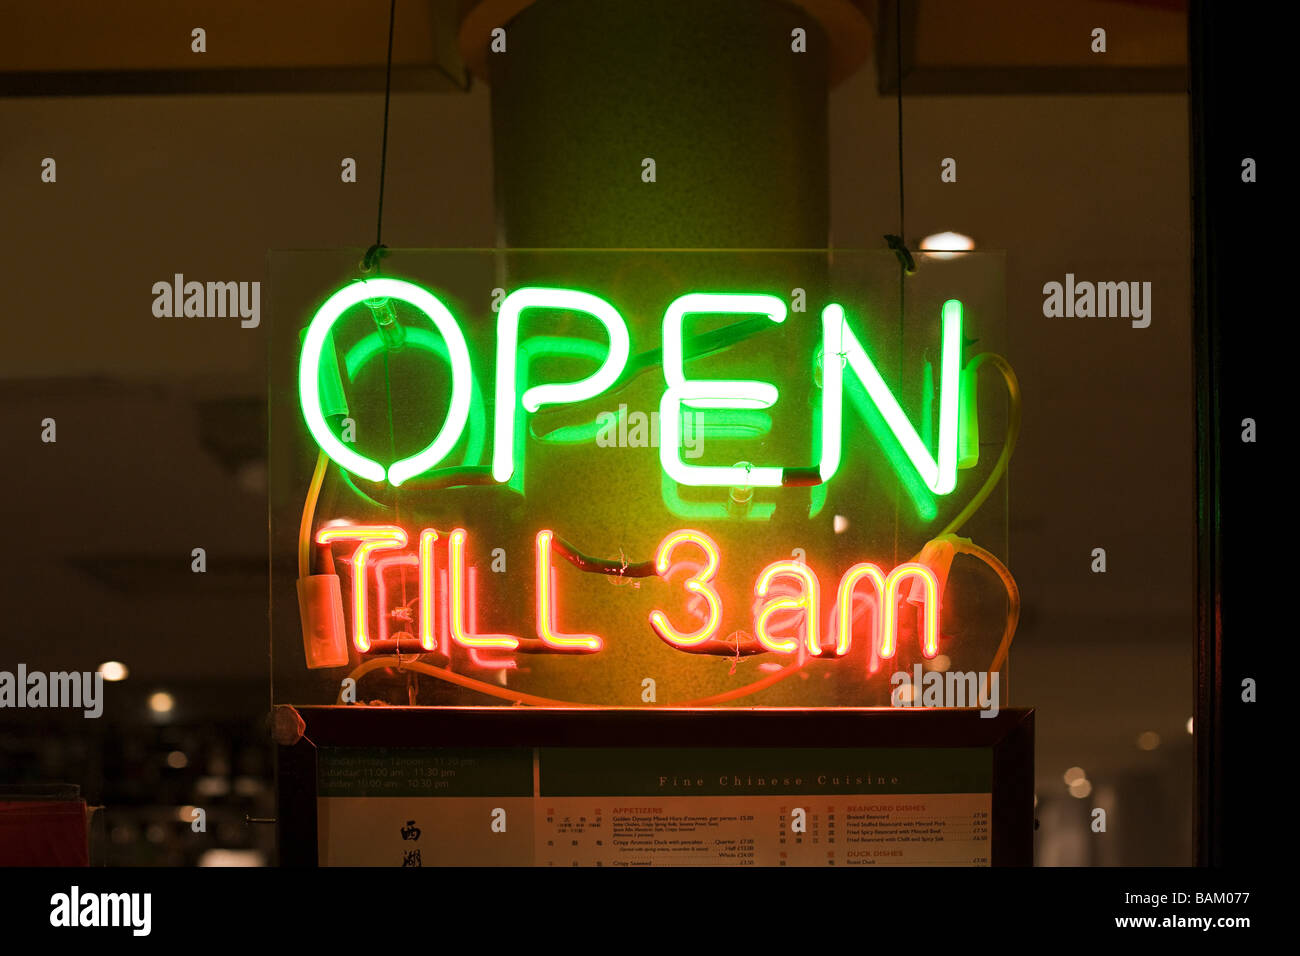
(1010, 735)
(1233, 224)
(920, 80)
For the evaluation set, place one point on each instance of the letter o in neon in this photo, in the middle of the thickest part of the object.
(309, 378)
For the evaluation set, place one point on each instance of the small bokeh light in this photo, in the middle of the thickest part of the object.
(1148, 740)
(114, 670)
(220, 857)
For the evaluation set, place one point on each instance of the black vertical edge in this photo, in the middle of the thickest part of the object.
(1236, 293)
(887, 47)
(1013, 794)
(1206, 674)
(295, 817)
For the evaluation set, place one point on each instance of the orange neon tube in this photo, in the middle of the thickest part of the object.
(459, 631)
(546, 604)
(844, 603)
(888, 590)
(808, 602)
(929, 609)
(427, 639)
(697, 583)
(370, 538)
(489, 662)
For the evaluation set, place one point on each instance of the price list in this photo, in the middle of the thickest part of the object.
(639, 807)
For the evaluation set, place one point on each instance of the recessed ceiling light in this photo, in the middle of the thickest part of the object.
(946, 242)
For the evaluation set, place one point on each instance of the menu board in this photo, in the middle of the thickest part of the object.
(594, 806)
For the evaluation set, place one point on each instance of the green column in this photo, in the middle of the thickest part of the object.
(711, 90)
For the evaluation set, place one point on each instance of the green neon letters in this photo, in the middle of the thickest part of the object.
(710, 393)
(939, 472)
(503, 463)
(841, 349)
(309, 379)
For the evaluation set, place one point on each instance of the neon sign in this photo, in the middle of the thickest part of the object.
(937, 469)
(438, 542)
(887, 594)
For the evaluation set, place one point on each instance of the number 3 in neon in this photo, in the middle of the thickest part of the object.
(697, 583)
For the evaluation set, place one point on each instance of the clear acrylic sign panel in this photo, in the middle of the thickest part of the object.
(561, 544)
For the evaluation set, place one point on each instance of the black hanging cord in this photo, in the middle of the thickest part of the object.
(898, 243)
(907, 266)
(379, 250)
(370, 263)
(904, 254)
(898, 66)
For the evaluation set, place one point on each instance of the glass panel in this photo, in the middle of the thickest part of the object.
(443, 489)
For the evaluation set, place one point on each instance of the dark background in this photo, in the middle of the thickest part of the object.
(1068, 161)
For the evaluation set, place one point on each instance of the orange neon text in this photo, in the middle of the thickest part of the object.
(787, 610)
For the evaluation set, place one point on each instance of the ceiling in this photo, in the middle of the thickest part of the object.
(58, 46)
